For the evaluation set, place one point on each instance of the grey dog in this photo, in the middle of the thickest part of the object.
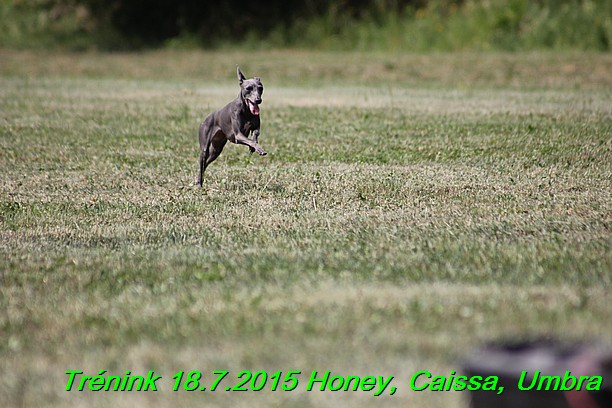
(234, 122)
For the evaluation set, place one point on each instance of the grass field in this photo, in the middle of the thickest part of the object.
(411, 207)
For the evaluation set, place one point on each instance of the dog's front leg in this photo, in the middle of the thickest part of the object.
(240, 138)
(256, 135)
(255, 139)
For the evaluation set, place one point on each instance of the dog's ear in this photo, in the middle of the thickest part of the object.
(240, 75)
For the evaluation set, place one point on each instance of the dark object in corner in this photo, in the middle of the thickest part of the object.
(542, 374)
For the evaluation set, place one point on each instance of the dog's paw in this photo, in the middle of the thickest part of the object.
(262, 152)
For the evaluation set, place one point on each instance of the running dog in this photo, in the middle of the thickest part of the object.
(234, 122)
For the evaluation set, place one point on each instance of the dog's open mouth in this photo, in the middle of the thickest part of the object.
(253, 107)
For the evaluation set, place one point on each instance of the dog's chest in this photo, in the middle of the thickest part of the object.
(247, 127)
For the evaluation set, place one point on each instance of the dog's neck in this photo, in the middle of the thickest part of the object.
(243, 101)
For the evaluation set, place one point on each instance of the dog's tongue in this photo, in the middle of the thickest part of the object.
(254, 108)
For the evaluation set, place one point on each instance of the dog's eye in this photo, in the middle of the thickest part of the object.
(260, 89)
(249, 88)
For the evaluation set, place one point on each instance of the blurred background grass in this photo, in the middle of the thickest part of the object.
(384, 25)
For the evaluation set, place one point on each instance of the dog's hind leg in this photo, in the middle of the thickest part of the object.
(202, 166)
(204, 135)
(215, 147)
(212, 149)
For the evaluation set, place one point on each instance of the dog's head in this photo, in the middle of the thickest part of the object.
(251, 91)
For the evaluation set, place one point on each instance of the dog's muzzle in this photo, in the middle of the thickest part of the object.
(253, 107)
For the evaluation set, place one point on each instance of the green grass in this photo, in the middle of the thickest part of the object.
(410, 209)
